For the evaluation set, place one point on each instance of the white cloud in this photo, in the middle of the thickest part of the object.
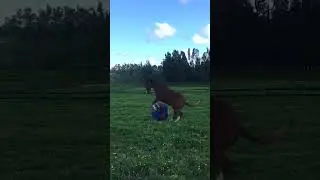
(163, 30)
(198, 39)
(203, 36)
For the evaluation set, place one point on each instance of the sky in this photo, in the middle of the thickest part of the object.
(142, 30)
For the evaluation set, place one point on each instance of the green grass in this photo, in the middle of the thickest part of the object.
(144, 149)
(296, 156)
(59, 138)
(66, 137)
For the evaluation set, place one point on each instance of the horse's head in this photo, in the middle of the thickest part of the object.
(148, 85)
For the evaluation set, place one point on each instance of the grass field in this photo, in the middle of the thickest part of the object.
(63, 133)
(296, 156)
(54, 135)
(144, 149)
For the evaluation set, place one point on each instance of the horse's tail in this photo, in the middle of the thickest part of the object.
(192, 105)
(266, 139)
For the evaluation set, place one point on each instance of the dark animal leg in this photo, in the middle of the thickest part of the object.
(175, 114)
(181, 114)
(178, 115)
(223, 163)
(227, 165)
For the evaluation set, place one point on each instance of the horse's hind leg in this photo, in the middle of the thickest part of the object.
(181, 114)
(174, 116)
(177, 115)
(220, 176)
(222, 162)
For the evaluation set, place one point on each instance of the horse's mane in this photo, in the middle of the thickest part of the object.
(157, 83)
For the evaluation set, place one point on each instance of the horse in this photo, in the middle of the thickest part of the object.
(164, 94)
(227, 129)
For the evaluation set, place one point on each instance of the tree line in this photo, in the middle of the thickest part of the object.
(56, 39)
(266, 36)
(177, 66)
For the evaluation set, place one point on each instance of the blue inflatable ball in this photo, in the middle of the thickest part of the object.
(160, 111)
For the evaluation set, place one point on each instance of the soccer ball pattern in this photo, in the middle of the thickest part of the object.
(160, 111)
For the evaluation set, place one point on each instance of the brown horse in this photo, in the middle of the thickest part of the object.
(226, 129)
(164, 94)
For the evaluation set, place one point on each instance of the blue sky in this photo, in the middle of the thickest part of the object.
(146, 29)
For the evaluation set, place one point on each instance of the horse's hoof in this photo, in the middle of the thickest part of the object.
(178, 118)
